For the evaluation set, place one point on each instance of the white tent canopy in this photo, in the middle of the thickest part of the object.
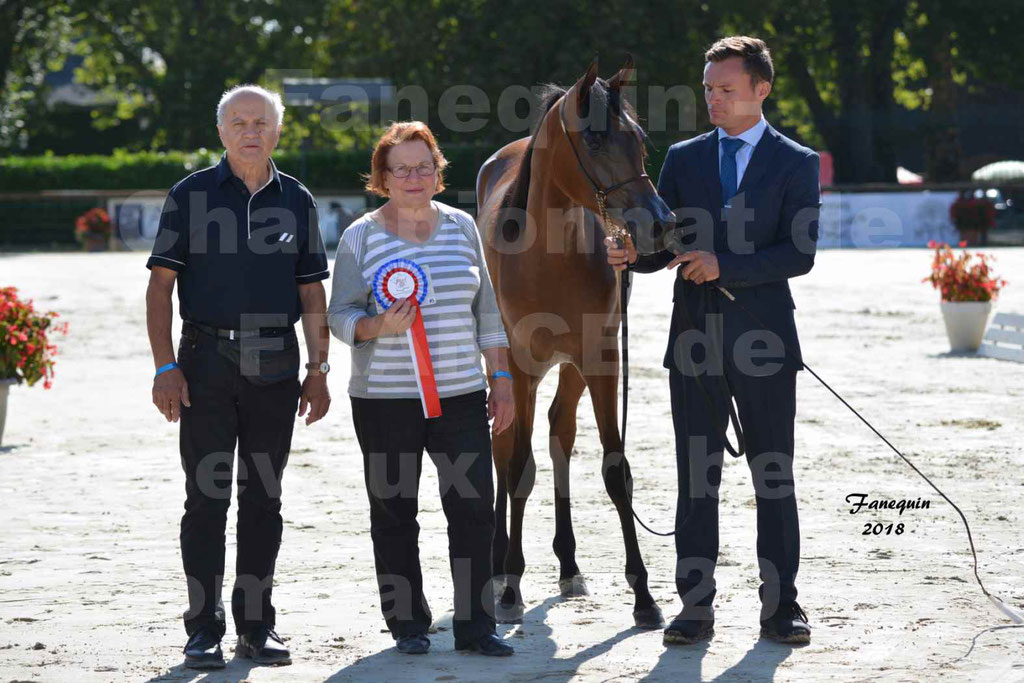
(1000, 172)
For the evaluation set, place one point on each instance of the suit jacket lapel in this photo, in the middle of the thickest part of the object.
(760, 160)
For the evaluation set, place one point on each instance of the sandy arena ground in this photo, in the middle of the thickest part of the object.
(91, 587)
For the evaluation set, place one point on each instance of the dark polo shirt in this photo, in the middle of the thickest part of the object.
(240, 257)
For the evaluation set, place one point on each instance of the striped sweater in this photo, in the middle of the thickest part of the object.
(463, 320)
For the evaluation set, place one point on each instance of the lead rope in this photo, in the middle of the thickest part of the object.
(624, 297)
(1015, 615)
(740, 448)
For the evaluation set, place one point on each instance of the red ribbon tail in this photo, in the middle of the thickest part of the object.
(425, 381)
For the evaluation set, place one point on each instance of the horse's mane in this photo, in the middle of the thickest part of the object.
(513, 205)
(516, 195)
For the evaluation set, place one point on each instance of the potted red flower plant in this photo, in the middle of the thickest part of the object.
(26, 350)
(973, 218)
(967, 287)
(92, 229)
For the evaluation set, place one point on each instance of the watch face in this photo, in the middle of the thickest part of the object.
(325, 368)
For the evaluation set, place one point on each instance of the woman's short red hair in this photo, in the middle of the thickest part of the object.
(402, 131)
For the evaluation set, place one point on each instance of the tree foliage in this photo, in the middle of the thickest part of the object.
(855, 78)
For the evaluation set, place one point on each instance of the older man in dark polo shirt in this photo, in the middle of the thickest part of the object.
(242, 242)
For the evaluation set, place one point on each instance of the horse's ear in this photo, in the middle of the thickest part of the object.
(624, 76)
(584, 84)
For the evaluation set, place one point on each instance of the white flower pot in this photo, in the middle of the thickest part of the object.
(965, 323)
(5, 385)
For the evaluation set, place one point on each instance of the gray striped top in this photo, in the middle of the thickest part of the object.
(463, 320)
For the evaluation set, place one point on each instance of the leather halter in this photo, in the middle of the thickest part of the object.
(601, 195)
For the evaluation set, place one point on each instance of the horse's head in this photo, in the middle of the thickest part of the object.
(605, 147)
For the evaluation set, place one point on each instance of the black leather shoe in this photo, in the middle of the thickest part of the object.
(787, 625)
(688, 630)
(202, 651)
(490, 645)
(413, 645)
(263, 646)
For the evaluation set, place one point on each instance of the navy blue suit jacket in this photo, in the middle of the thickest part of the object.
(766, 237)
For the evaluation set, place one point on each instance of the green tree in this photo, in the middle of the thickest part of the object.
(838, 57)
(952, 47)
(496, 44)
(169, 62)
(34, 37)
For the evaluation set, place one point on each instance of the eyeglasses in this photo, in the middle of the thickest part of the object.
(423, 170)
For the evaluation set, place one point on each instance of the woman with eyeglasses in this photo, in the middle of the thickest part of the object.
(418, 258)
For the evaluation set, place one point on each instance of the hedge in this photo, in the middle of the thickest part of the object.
(39, 222)
(319, 170)
(333, 170)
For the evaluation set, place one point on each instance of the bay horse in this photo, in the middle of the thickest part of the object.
(540, 203)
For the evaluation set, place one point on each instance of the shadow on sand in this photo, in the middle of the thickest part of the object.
(536, 650)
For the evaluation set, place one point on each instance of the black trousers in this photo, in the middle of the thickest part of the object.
(766, 406)
(393, 434)
(232, 405)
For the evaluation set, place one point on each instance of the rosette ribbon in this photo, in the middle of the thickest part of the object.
(401, 279)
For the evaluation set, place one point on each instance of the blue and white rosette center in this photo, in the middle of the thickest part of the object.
(398, 279)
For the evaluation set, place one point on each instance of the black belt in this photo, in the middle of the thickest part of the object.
(238, 334)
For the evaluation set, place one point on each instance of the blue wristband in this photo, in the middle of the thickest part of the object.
(501, 373)
(164, 368)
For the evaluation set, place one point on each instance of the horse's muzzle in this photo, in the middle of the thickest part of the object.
(649, 236)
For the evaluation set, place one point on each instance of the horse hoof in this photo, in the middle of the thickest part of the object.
(508, 614)
(649, 618)
(573, 587)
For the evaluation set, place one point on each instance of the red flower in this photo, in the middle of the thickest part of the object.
(969, 213)
(27, 354)
(92, 222)
(958, 279)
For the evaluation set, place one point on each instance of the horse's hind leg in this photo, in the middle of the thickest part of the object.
(520, 472)
(615, 469)
(562, 418)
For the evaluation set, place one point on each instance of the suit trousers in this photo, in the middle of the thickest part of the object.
(228, 408)
(766, 407)
(393, 433)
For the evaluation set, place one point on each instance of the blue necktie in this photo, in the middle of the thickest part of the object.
(729, 175)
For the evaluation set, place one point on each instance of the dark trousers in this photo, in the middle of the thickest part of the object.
(766, 406)
(229, 408)
(392, 434)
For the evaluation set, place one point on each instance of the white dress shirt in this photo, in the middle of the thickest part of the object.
(751, 137)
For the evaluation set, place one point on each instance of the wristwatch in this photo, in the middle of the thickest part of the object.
(324, 367)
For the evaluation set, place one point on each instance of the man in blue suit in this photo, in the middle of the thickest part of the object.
(746, 198)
